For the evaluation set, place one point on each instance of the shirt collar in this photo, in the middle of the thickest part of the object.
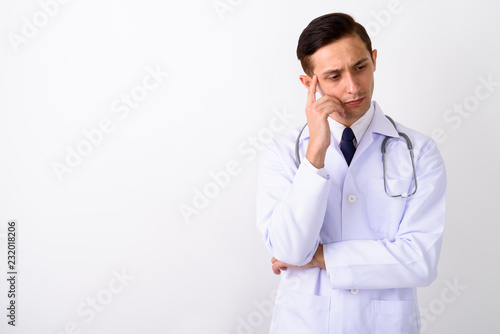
(374, 121)
(359, 127)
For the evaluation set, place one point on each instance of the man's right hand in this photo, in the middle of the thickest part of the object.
(317, 113)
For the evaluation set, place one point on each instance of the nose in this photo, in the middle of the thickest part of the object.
(352, 86)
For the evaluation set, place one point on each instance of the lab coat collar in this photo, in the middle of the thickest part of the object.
(380, 124)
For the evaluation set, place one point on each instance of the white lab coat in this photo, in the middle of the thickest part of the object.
(377, 249)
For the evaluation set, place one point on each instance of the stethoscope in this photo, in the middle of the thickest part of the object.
(383, 149)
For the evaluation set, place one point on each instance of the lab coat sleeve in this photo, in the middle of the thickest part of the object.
(291, 206)
(410, 260)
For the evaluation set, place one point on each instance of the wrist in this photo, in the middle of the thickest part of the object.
(318, 258)
(316, 157)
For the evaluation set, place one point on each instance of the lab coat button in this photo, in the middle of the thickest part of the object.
(354, 291)
(352, 198)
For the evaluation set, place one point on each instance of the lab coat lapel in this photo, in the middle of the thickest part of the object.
(379, 125)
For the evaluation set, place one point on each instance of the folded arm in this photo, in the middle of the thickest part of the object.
(411, 258)
(291, 206)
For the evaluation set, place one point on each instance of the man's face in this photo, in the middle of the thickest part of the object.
(345, 71)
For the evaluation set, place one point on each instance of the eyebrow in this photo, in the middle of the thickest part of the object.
(334, 70)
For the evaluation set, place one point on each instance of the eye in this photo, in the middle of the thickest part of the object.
(334, 77)
(361, 67)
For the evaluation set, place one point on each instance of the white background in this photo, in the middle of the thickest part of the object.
(229, 70)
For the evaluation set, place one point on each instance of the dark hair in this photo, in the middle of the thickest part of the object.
(324, 30)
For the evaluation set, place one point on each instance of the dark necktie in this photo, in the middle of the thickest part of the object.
(347, 145)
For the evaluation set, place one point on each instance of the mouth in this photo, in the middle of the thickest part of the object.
(354, 103)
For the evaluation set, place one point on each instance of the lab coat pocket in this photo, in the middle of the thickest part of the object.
(384, 212)
(302, 313)
(394, 317)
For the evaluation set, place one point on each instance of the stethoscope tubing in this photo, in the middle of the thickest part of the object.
(409, 144)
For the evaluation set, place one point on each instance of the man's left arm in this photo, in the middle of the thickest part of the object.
(410, 260)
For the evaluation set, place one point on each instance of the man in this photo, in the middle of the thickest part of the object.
(351, 244)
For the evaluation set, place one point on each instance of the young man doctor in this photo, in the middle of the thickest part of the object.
(350, 254)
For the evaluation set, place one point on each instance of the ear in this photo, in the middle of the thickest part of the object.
(306, 80)
(374, 58)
